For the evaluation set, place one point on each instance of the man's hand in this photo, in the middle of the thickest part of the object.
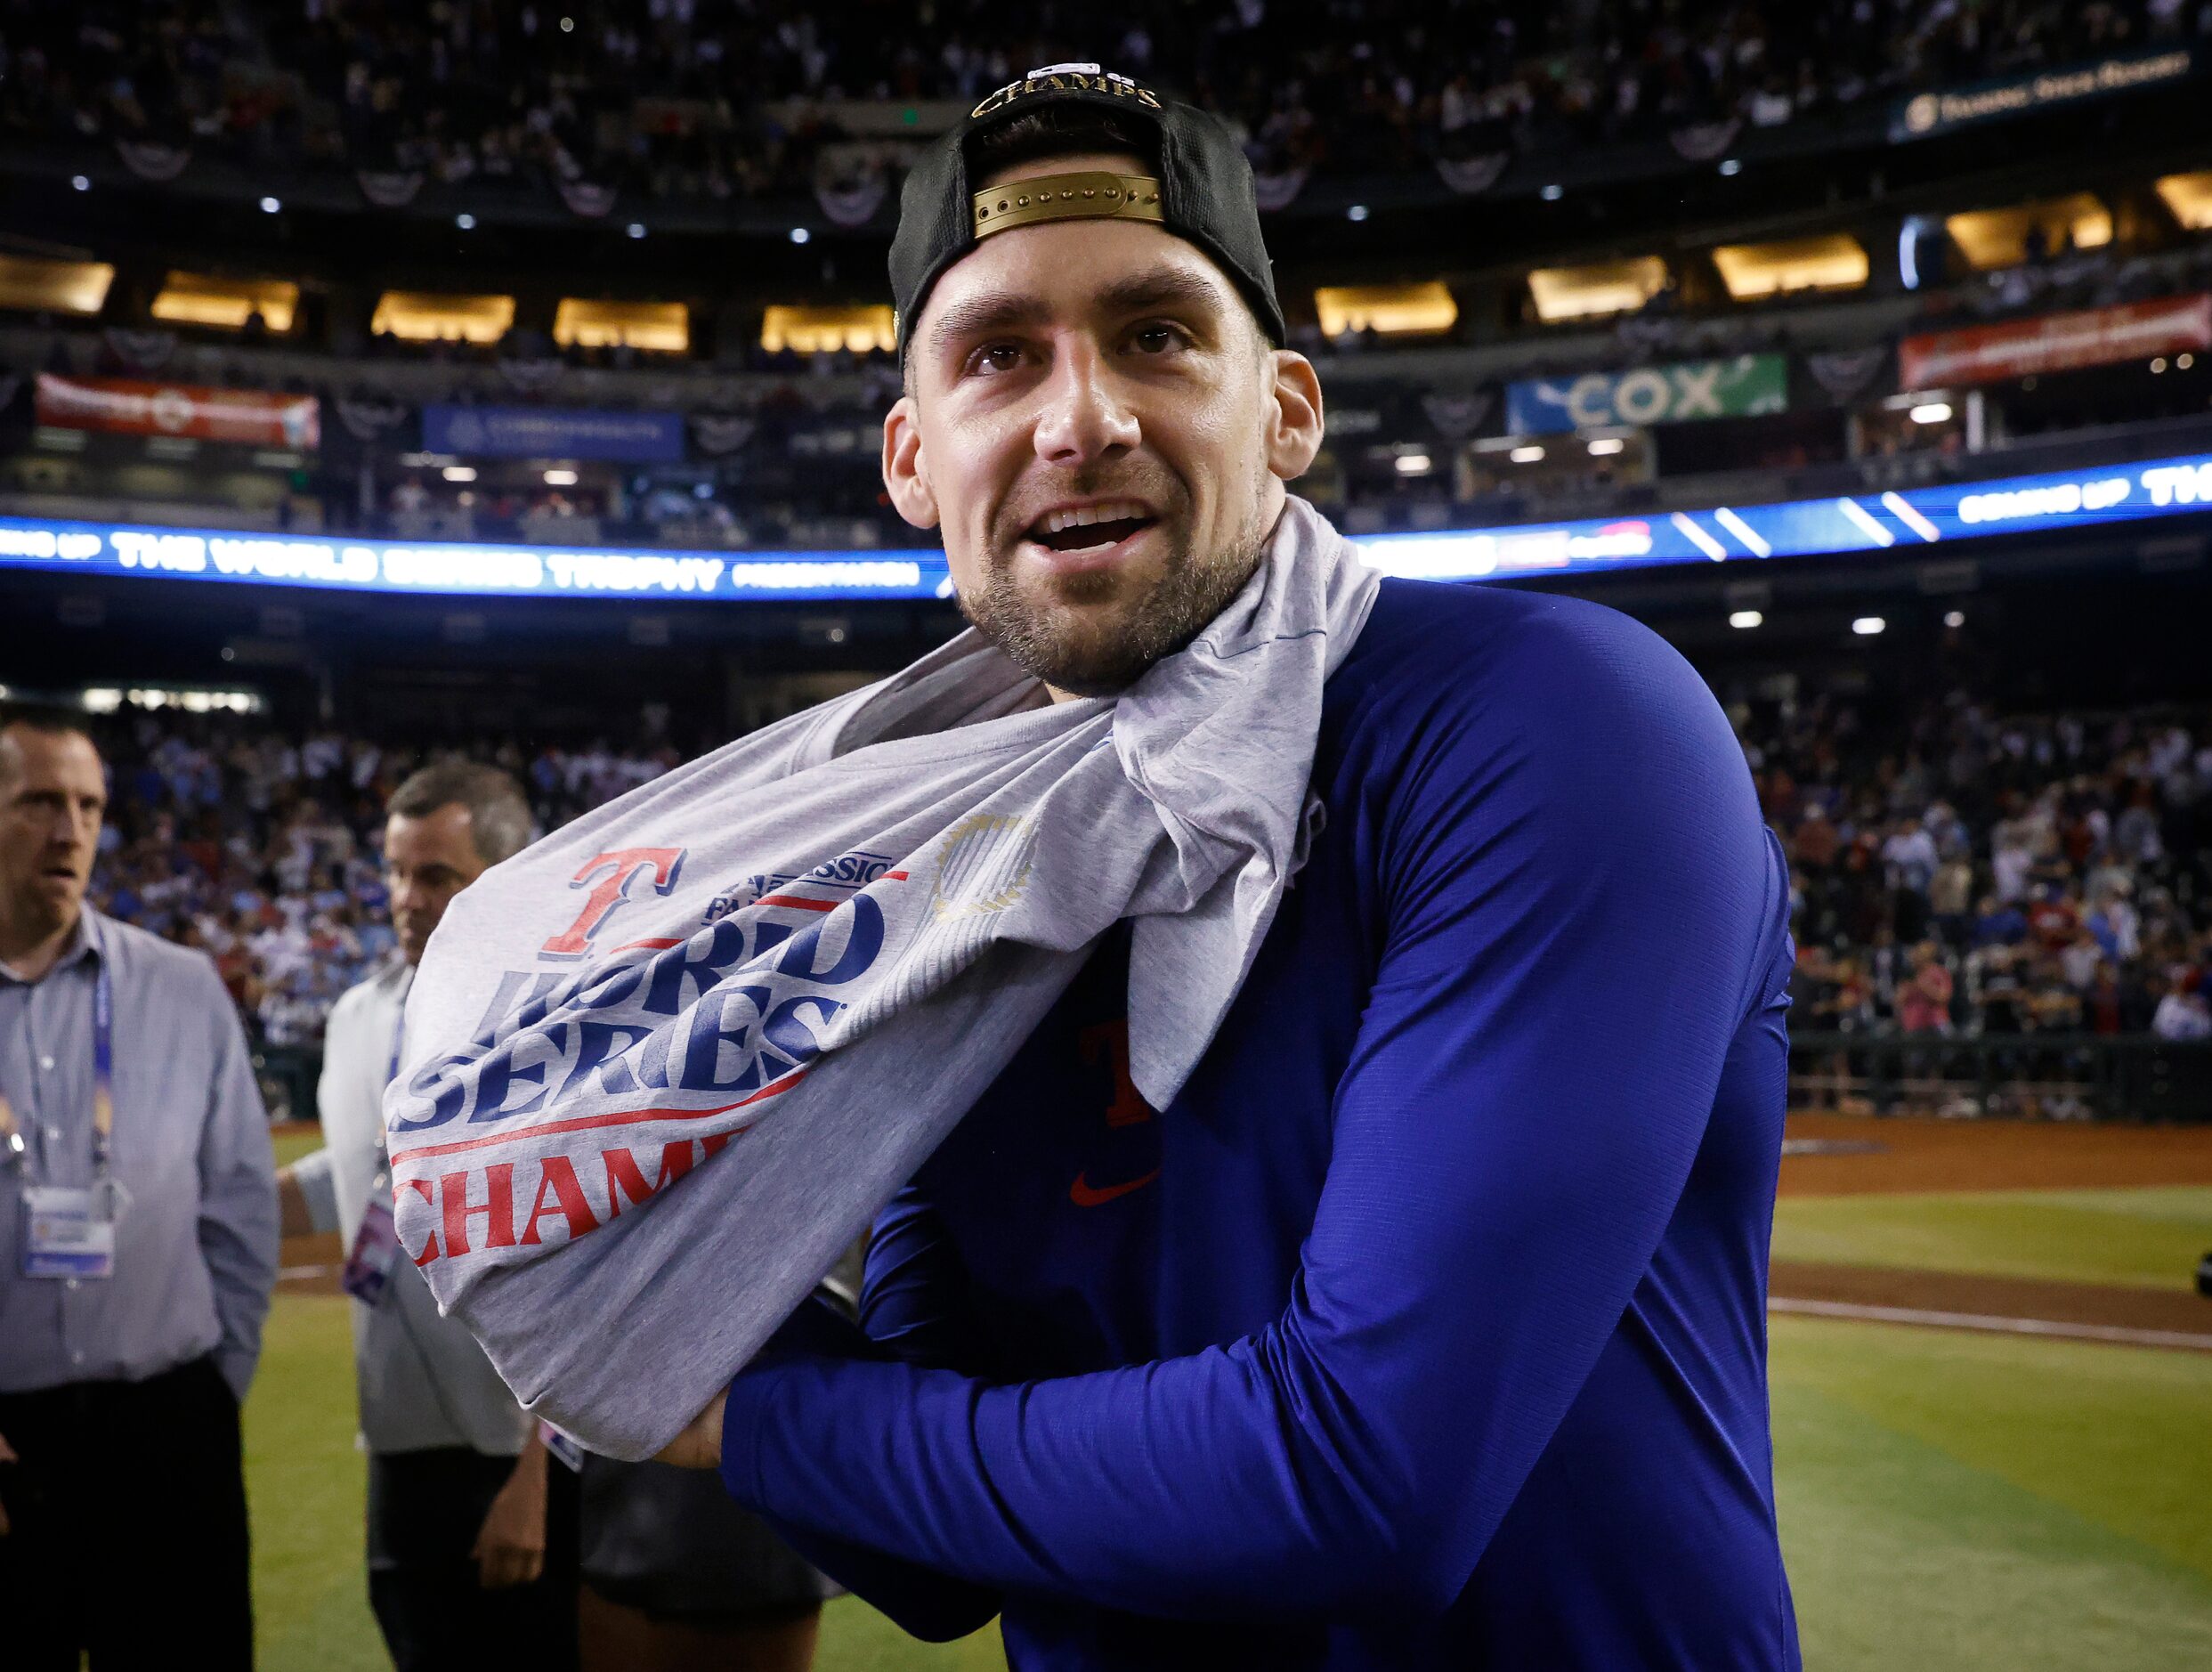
(700, 1445)
(7, 1455)
(511, 1545)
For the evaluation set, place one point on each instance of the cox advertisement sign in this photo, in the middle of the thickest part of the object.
(1749, 385)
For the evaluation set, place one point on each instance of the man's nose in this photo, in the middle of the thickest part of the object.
(1084, 417)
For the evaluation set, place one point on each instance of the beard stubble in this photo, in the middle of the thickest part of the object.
(1042, 637)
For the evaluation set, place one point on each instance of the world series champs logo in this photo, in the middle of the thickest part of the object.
(546, 1121)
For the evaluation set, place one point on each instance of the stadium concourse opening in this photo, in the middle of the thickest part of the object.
(388, 388)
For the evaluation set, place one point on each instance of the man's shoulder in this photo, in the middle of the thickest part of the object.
(137, 954)
(378, 990)
(1482, 709)
(1491, 657)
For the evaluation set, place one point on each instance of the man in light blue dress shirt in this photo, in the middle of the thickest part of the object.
(138, 1247)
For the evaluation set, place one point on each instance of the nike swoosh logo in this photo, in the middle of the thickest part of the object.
(1085, 1194)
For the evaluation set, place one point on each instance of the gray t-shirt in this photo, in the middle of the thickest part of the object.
(664, 1066)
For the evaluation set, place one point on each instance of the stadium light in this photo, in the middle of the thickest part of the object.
(1531, 454)
(568, 26)
(1868, 626)
(2181, 362)
(1414, 464)
(1732, 167)
(465, 222)
(1554, 193)
(459, 472)
(560, 478)
(800, 235)
(1955, 618)
(419, 316)
(80, 183)
(1358, 212)
(2158, 365)
(270, 206)
(1745, 618)
(1605, 446)
(637, 229)
(1931, 412)
(1832, 261)
(34, 286)
(1401, 309)
(664, 327)
(1605, 287)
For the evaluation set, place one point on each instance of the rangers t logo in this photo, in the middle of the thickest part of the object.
(613, 871)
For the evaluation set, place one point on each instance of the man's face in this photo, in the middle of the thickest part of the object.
(426, 862)
(52, 796)
(1096, 426)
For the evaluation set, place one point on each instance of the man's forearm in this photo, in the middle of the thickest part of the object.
(293, 1217)
(530, 1463)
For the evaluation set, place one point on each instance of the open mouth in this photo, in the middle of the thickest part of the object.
(1090, 528)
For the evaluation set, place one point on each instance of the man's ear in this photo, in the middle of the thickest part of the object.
(1294, 423)
(905, 477)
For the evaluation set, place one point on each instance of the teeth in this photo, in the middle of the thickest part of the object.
(1082, 516)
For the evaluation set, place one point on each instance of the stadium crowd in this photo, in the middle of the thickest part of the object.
(729, 98)
(1978, 873)
(263, 848)
(1967, 872)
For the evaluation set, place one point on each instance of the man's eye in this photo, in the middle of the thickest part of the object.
(1156, 339)
(998, 357)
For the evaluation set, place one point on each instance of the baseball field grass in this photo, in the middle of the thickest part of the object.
(2151, 1237)
(1948, 1499)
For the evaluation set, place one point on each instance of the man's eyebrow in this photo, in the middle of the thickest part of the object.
(992, 311)
(1140, 293)
(1162, 287)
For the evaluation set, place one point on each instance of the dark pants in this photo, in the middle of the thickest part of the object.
(424, 1511)
(127, 1517)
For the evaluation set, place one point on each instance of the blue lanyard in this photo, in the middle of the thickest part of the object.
(390, 1073)
(103, 1068)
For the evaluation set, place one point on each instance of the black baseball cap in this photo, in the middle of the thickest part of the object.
(1203, 190)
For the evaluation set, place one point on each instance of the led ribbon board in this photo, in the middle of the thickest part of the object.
(1871, 521)
(444, 567)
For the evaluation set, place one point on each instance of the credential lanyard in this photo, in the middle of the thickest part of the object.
(390, 1073)
(12, 1141)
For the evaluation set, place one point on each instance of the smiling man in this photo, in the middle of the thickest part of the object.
(1424, 1325)
(1090, 539)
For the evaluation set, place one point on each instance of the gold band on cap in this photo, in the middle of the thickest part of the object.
(1084, 197)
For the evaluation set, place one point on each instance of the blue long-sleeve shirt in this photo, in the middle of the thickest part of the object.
(1427, 1327)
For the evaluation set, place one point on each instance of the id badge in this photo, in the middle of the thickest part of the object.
(376, 1247)
(67, 1233)
(561, 1444)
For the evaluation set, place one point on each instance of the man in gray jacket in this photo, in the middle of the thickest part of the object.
(462, 1569)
